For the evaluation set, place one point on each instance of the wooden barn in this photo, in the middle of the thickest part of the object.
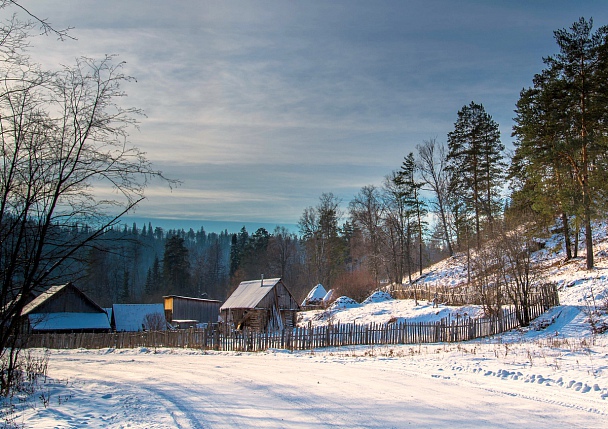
(183, 311)
(260, 305)
(65, 308)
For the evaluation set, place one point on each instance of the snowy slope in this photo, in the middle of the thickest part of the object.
(580, 291)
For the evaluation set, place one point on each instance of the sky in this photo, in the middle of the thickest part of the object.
(259, 107)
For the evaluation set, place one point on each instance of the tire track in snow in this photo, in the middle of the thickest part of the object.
(132, 385)
(302, 391)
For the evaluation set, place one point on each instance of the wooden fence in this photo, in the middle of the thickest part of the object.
(300, 338)
(466, 294)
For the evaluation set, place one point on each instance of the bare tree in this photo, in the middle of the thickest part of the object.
(488, 280)
(64, 139)
(320, 231)
(504, 271)
(519, 273)
(154, 322)
(283, 250)
(397, 230)
(432, 163)
(366, 213)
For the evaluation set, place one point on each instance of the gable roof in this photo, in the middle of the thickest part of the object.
(131, 317)
(250, 293)
(51, 292)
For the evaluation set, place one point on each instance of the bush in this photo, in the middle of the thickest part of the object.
(357, 285)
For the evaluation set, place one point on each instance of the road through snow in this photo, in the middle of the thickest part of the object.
(192, 390)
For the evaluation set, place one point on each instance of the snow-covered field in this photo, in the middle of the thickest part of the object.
(540, 384)
(546, 378)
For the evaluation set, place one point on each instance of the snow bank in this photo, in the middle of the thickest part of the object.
(378, 296)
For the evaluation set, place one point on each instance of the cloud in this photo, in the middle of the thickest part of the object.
(260, 106)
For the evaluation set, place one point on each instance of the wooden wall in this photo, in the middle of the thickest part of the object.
(67, 300)
(184, 308)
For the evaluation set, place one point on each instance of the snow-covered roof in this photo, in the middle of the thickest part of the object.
(131, 317)
(249, 293)
(316, 294)
(68, 321)
(328, 295)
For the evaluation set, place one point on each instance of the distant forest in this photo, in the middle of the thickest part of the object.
(142, 264)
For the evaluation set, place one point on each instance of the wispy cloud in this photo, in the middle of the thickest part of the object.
(260, 106)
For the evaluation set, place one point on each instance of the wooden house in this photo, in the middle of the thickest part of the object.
(183, 311)
(260, 305)
(64, 308)
(138, 317)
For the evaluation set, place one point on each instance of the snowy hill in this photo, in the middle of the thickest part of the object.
(582, 293)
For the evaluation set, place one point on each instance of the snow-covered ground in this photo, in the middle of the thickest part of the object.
(554, 374)
(541, 384)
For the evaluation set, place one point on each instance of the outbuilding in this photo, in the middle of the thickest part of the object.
(64, 308)
(184, 311)
(260, 305)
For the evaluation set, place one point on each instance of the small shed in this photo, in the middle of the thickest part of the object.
(138, 317)
(191, 310)
(261, 305)
(64, 308)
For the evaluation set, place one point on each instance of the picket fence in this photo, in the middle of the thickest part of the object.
(300, 338)
(466, 294)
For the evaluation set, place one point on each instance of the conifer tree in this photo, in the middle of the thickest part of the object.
(410, 193)
(565, 118)
(176, 266)
(476, 162)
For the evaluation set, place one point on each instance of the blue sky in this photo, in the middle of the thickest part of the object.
(259, 107)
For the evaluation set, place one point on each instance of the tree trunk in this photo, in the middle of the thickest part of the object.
(567, 241)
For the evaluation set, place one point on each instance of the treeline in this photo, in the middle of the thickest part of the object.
(132, 264)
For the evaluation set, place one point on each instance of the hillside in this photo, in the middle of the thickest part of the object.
(582, 293)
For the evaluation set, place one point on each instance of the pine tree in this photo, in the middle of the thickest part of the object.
(565, 117)
(125, 292)
(176, 266)
(476, 164)
(237, 249)
(410, 192)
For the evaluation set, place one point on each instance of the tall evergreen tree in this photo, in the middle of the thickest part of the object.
(475, 159)
(410, 188)
(237, 249)
(176, 266)
(565, 119)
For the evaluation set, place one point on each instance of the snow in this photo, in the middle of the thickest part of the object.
(381, 308)
(68, 321)
(315, 296)
(551, 374)
(537, 384)
(378, 296)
